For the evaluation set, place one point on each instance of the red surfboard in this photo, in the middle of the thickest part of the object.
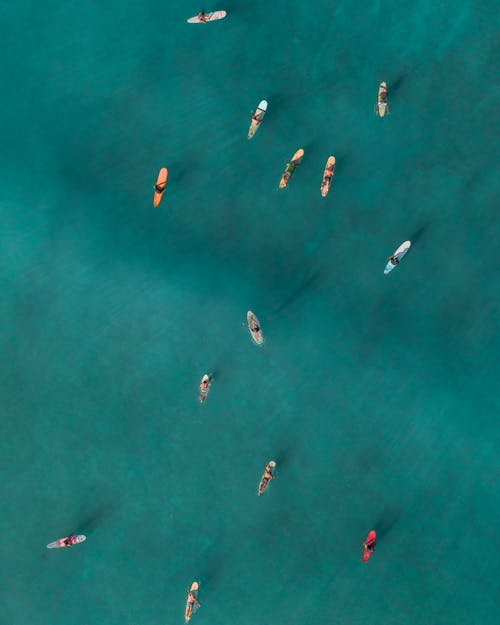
(369, 545)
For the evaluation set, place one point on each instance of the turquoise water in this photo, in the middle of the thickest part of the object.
(375, 394)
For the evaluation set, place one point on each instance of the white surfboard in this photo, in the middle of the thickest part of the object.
(209, 17)
(398, 254)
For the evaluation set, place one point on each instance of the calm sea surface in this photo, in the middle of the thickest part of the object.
(377, 395)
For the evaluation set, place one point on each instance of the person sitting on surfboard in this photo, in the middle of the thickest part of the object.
(201, 17)
(328, 176)
(192, 601)
(257, 118)
(71, 540)
(290, 168)
(370, 546)
(394, 260)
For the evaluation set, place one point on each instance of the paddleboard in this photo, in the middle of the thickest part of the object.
(382, 106)
(59, 544)
(329, 167)
(209, 17)
(191, 607)
(161, 183)
(370, 540)
(290, 168)
(255, 329)
(399, 253)
(259, 114)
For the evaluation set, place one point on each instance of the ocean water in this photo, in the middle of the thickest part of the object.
(375, 394)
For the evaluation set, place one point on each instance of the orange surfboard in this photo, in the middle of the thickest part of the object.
(161, 183)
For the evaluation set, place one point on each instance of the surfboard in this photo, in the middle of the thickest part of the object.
(188, 613)
(255, 329)
(290, 168)
(399, 253)
(209, 17)
(259, 114)
(382, 106)
(330, 166)
(59, 544)
(161, 183)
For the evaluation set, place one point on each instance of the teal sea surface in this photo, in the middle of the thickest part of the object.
(376, 395)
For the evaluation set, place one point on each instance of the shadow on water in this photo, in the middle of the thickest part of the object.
(211, 571)
(298, 291)
(395, 85)
(387, 520)
(283, 456)
(90, 523)
(419, 233)
(342, 159)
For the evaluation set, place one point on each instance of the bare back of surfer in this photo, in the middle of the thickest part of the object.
(257, 118)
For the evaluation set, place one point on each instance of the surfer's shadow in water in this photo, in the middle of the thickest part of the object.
(419, 233)
(96, 518)
(212, 570)
(298, 291)
(388, 518)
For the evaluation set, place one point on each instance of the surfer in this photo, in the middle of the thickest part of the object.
(394, 260)
(191, 603)
(370, 545)
(70, 540)
(257, 118)
(328, 176)
(192, 600)
(288, 172)
(267, 476)
(202, 17)
(205, 387)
